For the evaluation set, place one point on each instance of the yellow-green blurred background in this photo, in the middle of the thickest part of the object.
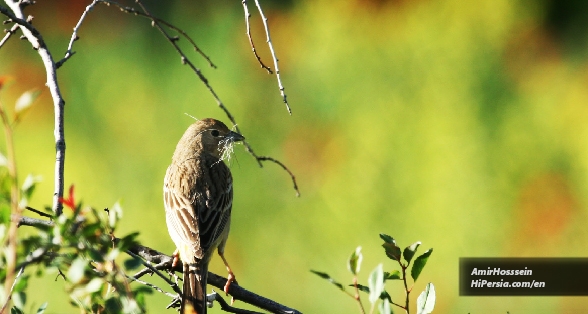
(462, 124)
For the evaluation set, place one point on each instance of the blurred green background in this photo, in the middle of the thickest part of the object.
(462, 124)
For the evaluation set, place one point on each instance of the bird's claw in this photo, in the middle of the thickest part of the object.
(230, 279)
(176, 258)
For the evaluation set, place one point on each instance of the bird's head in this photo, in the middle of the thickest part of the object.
(209, 136)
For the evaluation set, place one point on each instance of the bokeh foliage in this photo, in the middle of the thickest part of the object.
(460, 123)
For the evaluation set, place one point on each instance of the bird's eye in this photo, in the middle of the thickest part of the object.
(215, 133)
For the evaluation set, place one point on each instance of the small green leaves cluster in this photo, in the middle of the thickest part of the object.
(78, 247)
(378, 278)
(393, 252)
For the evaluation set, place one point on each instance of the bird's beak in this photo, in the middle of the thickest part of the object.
(235, 137)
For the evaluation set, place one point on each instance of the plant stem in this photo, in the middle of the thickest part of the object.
(406, 303)
(14, 208)
(357, 298)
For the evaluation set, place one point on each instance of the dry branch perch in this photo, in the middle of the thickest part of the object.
(164, 262)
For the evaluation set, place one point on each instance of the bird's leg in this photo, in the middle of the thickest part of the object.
(176, 258)
(230, 277)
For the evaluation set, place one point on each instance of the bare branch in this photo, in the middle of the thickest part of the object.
(9, 33)
(271, 47)
(74, 35)
(36, 40)
(235, 290)
(240, 293)
(33, 222)
(247, 17)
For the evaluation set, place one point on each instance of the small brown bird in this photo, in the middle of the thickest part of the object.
(198, 196)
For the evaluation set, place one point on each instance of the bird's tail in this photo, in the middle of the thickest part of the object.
(194, 298)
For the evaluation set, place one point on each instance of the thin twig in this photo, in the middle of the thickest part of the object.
(74, 36)
(164, 22)
(146, 270)
(11, 290)
(356, 297)
(171, 295)
(230, 309)
(9, 33)
(247, 17)
(271, 47)
(184, 59)
(129, 10)
(34, 257)
(148, 265)
(38, 212)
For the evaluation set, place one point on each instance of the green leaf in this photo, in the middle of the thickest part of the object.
(76, 270)
(386, 296)
(115, 214)
(113, 305)
(127, 241)
(132, 263)
(140, 293)
(327, 277)
(95, 255)
(361, 288)
(387, 238)
(90, 230)
(19, 299)
(143, 289)
(112, 254)
(426, 300)
(42, 308)
(419, 264)
(376, 283)
(94, 285)
(28, 187)
(3, 160)
(392, 250)
(3, 229)
(409, 251)
(395, 275)
(16, 310)
(385, 307)
(24, 102)
(354, 262)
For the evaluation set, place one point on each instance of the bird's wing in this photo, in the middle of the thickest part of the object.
(198, 204)
(214, 203)
(181, 222)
